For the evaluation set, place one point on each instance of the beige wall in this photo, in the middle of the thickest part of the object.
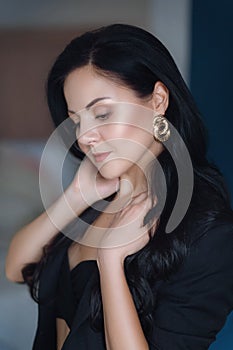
(25, 59)
(27, 48)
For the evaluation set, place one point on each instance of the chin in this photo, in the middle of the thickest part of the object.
(114, 168)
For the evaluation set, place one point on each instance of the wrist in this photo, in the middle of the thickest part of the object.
(107, 259)
(75, 200)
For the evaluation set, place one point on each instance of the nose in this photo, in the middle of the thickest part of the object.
(89, 137)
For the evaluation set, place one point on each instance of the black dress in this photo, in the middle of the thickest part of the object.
(71, 287)
(192, 306)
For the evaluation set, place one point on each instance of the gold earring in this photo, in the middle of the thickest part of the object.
(161, 128)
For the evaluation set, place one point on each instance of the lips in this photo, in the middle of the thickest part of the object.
(99, 157)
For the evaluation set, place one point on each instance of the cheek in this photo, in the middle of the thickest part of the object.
(125, 132)
(127, 139)
(114, 131)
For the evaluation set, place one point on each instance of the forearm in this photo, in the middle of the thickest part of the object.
(27, 244)
(123, 330)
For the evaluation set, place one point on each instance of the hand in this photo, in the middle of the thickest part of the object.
(92, 185)
(127, 235)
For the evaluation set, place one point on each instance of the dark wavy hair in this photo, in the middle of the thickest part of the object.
(135, 58)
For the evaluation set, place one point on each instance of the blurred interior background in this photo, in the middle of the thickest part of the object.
(32, 33)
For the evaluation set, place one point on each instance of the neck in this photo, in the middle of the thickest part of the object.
(132, 183)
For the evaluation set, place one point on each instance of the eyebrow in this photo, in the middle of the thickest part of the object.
(92, 103)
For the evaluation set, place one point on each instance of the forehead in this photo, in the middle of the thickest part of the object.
(84, 85)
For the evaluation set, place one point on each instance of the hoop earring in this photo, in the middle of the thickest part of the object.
(161, 128)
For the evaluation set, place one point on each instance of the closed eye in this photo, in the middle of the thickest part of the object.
(103, 116)
(76, 123)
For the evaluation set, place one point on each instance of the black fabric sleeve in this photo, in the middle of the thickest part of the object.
(193, 305)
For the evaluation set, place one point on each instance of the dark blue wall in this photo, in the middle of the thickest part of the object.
(211, 85)
(212, 77)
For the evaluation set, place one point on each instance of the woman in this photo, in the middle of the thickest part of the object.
(124, 282)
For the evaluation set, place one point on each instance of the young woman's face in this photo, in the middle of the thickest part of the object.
(114, 126)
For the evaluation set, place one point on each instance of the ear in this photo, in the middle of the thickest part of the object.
(160, 98)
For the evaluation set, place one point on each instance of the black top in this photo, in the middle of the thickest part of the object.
(192, 306)
(71, 286)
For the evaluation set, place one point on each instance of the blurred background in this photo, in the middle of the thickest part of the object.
(199, 35)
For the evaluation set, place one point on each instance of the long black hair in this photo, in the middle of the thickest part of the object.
(137, 59)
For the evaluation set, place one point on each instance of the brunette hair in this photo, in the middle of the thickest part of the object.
(137, 59)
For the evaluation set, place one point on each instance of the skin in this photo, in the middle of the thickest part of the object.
(82, 86)
(132, 147)
(85, 85)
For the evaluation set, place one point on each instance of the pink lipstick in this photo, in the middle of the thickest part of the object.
(99, 157)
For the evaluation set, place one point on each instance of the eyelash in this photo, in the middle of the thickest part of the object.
(103, 116)
(100, 116)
